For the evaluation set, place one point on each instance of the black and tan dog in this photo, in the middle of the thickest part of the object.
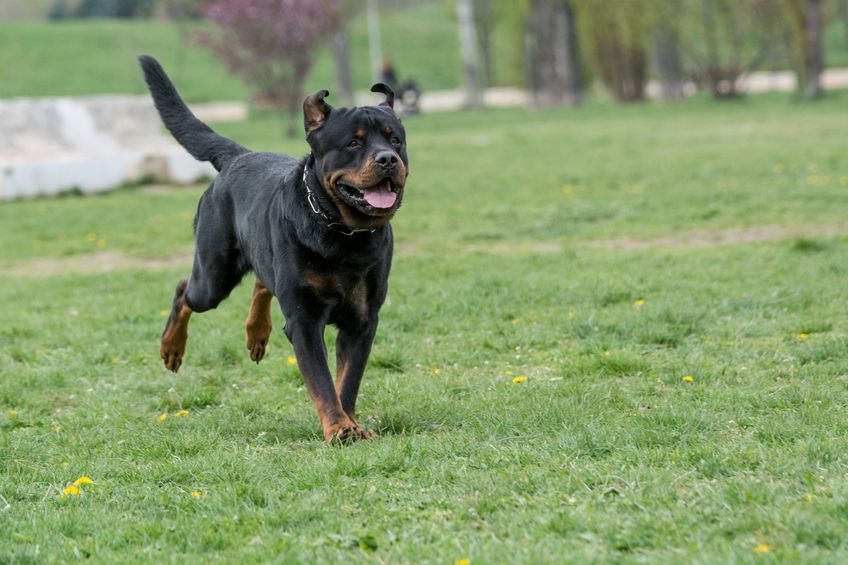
(315, 232)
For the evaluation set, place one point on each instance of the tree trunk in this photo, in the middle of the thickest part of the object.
(551, 55)
(468, 48)
(814, 62)
(542, 52)
(668, 67)
(843, 15)
(568, 87)
(375, 49)
(341, 56)
(483, 18)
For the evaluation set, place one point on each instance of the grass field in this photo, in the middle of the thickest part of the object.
(670, 280)
(75, 58)
(81, 57)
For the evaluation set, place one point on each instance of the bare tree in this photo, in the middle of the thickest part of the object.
(618, 45)
(805, 17)
(551, 54)
(729, 39)
(468, 49)
(666, 59)
(339, 45)
(484, 22)
(842, 9)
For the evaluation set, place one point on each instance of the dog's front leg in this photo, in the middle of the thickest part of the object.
(353, 346)
(307, 337)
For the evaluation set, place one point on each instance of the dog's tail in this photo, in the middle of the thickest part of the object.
(198, 138)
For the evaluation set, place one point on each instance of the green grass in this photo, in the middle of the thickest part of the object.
(513, 260)
(80, 57)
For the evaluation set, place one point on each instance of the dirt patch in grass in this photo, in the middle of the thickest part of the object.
(719, 237)
(107, 261)
(101, 262)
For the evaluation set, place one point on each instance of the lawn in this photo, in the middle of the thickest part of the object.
(80, 57)
(86, 57)
(669, 279)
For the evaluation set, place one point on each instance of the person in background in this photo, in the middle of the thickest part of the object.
(388, 75)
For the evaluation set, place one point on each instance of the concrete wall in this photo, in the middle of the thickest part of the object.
(51, 145)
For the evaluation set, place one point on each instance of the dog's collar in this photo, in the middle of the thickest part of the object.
(333, 224)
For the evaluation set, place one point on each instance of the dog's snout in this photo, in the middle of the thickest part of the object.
(386, 159)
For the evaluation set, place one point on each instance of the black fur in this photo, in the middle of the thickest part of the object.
(198, 139)
(326, 267)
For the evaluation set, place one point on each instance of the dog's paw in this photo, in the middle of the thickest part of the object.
(172, 356)
(346, 433)
(257, 334)
(257, 348)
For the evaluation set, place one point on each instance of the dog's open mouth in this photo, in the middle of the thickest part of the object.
(381, 196)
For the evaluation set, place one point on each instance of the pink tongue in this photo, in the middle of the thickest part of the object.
(380, 196)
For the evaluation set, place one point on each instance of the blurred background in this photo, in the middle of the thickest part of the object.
(231, 58)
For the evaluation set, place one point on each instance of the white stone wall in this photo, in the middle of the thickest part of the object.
(51, 145)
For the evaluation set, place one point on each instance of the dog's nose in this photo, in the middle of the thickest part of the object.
(386, 159)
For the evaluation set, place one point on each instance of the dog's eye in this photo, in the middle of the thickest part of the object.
(354, 143)
(395, 140)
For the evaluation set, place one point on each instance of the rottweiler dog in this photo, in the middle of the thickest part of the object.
(314, 231)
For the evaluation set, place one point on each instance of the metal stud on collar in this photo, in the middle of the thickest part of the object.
(316, 208)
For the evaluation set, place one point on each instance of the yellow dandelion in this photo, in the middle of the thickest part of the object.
(291, 361)
(101, 243)
(83, 481)
(196, 494)
(568, 189)
(519, 380)
(57, 428)
(163, 312)
(181, 414)
(435, 370)
(71, 490)
(163, 416)
(570, 314)
(91, 236)
(639, 303)
(809, 498)
(606, 353)
(762, 548)
(13, 411)
(803, 336)
(508, 372)
(462, 562)
(688, 378)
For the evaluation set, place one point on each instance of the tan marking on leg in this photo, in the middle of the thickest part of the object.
(172, 346)
(258, 323)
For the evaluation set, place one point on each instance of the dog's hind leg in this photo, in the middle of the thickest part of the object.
(211, 282)
(175, 335)
(258, 324)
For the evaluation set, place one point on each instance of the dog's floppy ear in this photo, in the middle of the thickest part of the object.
(387, 90)
(315, 111)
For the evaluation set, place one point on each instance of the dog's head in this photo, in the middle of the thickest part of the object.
(360, 157)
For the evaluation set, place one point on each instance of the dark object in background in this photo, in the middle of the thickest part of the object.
(410, 95)
(114, 9)
(388, 76)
